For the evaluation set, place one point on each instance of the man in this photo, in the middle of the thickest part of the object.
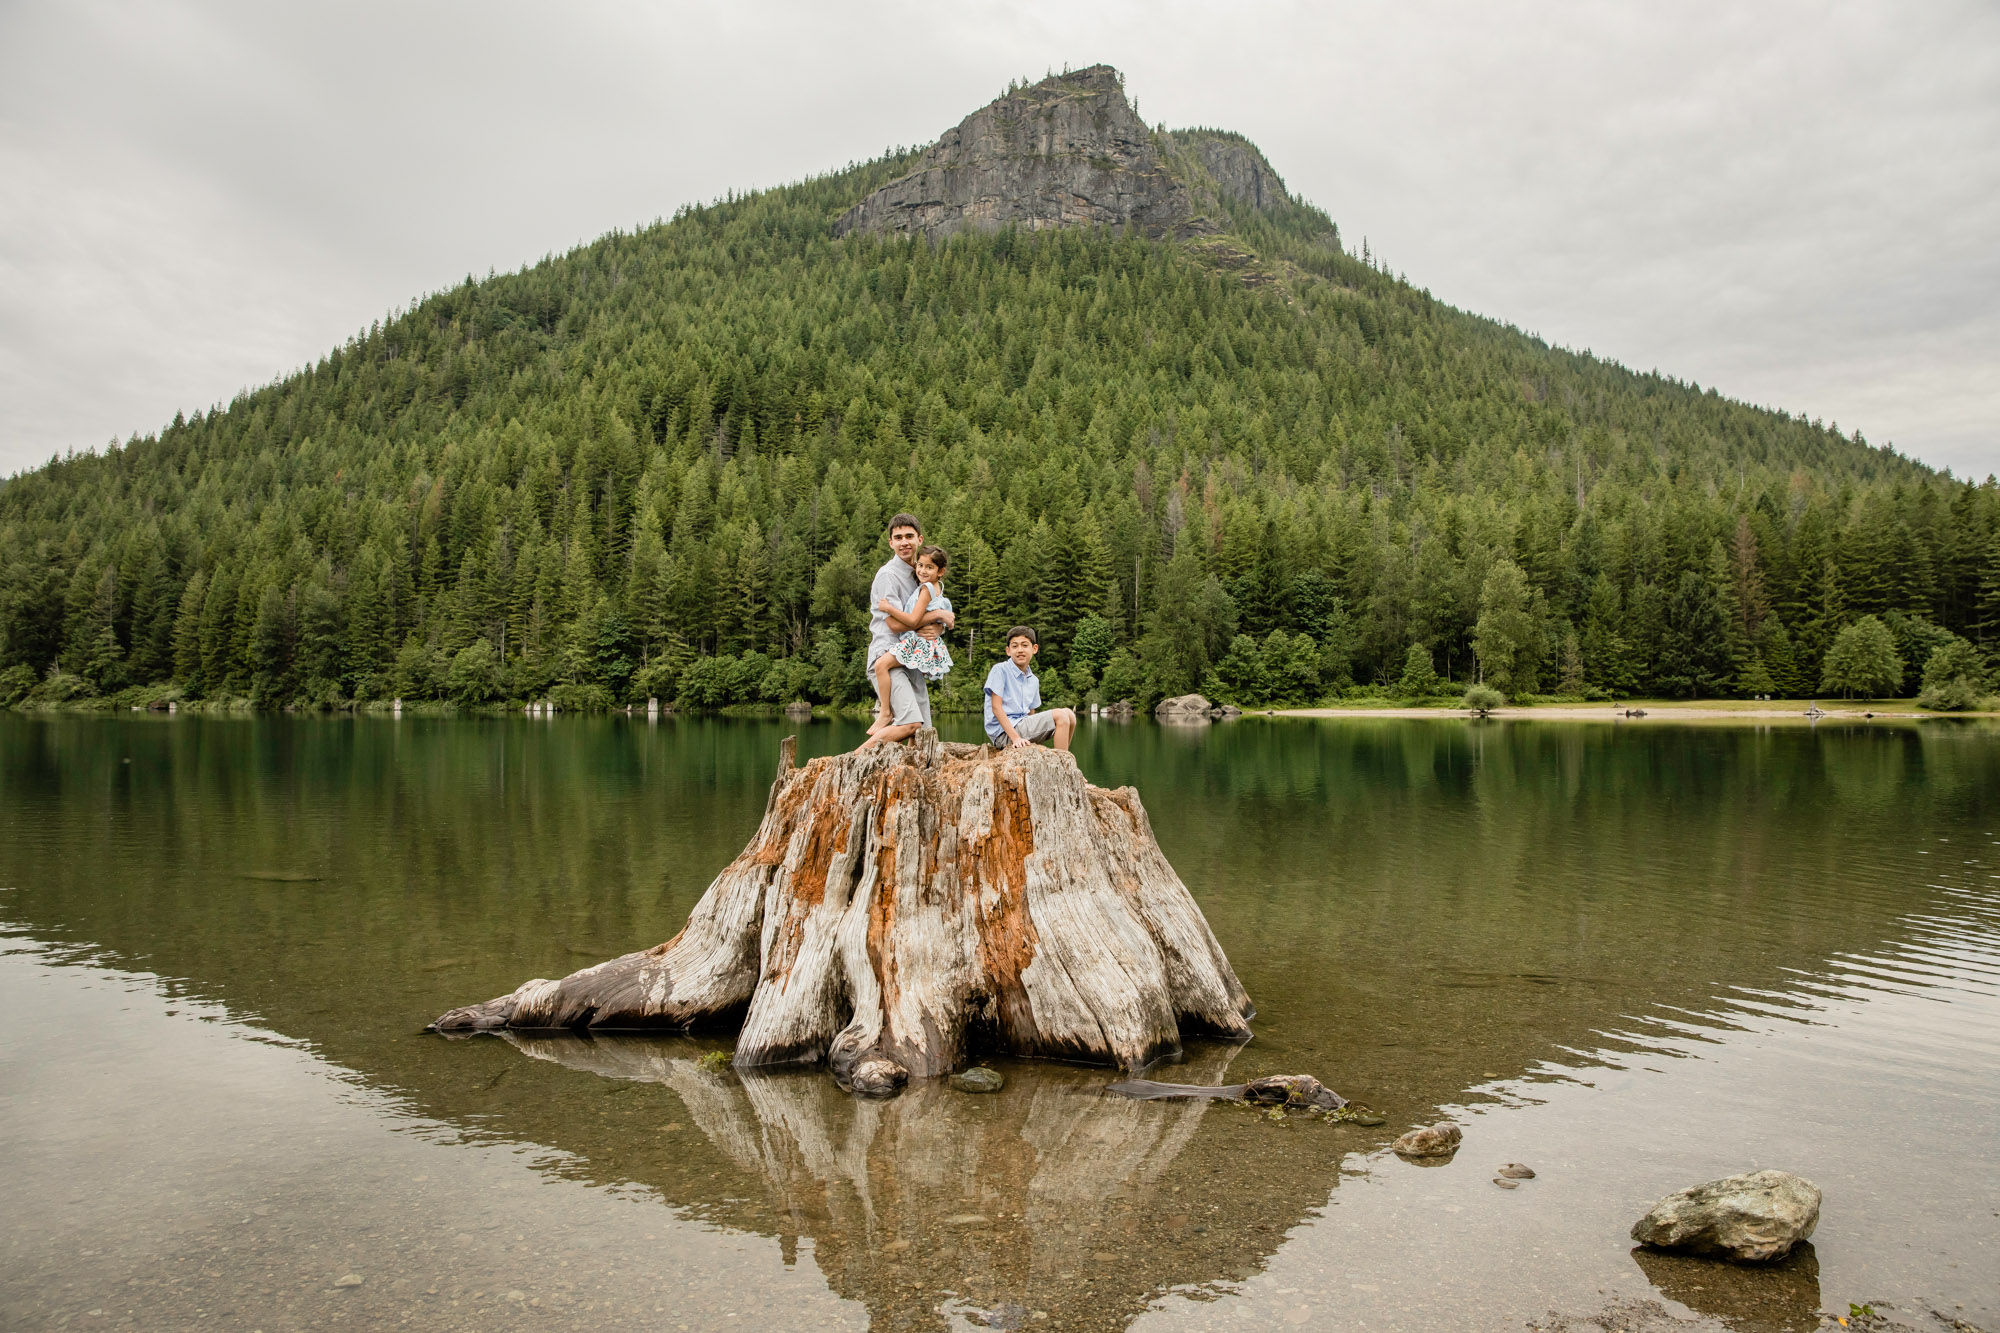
(909, 693)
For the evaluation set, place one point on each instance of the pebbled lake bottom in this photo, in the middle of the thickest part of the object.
(1632, 957)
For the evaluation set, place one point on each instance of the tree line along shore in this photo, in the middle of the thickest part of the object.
(658, 467)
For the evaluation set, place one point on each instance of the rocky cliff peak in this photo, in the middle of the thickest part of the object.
(1234, 166)
(1068, 151)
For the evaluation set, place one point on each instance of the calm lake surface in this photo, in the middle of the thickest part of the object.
(1632, 956)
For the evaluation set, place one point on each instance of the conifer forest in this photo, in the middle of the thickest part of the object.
(1250, 463)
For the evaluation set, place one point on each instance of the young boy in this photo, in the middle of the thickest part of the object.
(1013, 693)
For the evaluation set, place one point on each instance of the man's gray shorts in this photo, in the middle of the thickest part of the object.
(1035, 726)
(909, 697)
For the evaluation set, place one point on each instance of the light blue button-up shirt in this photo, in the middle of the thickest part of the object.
(1019, 692)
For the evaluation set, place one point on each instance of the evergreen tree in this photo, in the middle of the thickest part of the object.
(187, 632)
(1420, 677)
(1193, 623)
(1507, 638)
(1788, 678)
(1606, 656)
(1571, 681)
(1694, 641)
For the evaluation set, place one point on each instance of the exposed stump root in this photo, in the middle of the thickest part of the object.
(1290, 1090)
(902, 904)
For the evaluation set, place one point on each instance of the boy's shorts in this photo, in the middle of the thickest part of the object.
(1033, 727)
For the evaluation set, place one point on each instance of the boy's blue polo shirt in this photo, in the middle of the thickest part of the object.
(1020, 694)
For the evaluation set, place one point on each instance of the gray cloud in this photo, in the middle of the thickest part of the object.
(1791, 202)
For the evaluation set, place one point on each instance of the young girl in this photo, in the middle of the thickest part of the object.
(912, 650)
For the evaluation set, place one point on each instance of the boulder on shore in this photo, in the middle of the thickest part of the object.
(1750, 1218)
(1185, 707)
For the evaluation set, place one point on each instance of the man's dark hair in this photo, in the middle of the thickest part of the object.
(1023, 632)
(906, 521)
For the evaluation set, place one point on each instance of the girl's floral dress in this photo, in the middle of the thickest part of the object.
(914, 651)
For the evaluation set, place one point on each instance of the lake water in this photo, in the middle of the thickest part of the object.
(1632, 956)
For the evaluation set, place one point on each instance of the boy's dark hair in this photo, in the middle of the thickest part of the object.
(1023, 632)
(939, 557)
(905, 521)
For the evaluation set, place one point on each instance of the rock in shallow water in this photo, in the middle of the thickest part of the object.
(1749, 1218)
(1439, 1140)
(978, 1079)
(1293, 1090)
(875, 1078)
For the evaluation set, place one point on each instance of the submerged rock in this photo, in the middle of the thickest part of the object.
(1515, 1171)
(1749, 1218)
(978, 1079)
(1439, 1140)
(873, 1078)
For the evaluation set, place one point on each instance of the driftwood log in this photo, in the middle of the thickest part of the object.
(903, 906)
(1301, 1091)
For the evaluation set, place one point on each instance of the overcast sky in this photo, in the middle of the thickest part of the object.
(1798, 204)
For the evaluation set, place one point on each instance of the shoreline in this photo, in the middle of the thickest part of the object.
(1654, 710)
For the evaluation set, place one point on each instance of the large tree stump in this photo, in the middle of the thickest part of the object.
(902, 906)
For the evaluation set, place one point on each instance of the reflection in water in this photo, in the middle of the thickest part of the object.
(1780, 1298)
(1006, 1202)
(1430, 914)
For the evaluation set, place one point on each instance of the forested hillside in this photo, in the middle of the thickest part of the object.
(661, 464)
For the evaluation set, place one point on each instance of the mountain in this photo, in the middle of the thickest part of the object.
(1143, 395)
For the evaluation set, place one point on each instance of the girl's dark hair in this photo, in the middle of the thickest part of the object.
(939, 557)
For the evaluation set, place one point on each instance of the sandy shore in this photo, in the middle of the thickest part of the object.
(1655, 710)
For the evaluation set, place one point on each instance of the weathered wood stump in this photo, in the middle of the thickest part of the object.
(900, 907)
